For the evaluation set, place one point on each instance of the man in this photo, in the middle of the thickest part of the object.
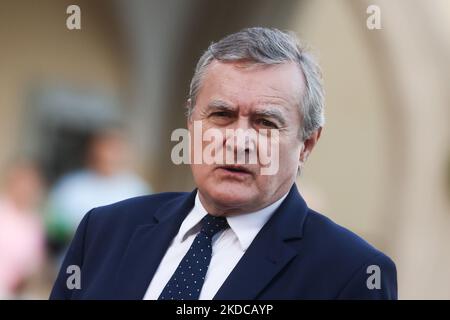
(241, 234)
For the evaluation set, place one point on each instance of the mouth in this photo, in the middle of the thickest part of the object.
(235, 170)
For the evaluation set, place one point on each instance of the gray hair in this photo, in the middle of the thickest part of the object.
(268, 46)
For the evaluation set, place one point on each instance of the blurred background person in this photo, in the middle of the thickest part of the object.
(106, 178)
(22, 245)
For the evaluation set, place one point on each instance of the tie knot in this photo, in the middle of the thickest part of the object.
(211, 224)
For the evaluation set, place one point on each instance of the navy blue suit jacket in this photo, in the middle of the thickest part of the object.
(299, 254)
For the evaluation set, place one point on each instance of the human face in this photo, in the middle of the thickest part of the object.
(238, 95)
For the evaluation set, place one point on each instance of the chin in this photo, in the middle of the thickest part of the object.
(232, 196)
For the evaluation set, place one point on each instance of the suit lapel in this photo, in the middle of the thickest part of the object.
(268, 253)
(147, 248)
(255, 270)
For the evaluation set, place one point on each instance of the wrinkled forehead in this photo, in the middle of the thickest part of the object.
(248, 83)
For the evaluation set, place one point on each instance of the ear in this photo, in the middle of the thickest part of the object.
(308, 145)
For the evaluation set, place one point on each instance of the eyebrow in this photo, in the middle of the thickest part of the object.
(275, 113)
(272, 113)
(220, 105)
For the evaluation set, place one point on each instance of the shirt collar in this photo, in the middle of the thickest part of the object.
(245, 226)
(191, 223)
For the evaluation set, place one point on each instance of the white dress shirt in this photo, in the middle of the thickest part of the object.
(228, 247)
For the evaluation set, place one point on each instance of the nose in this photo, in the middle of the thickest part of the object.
(240, 140)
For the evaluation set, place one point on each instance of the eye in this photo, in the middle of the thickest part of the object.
(266, 123)
(221, 114)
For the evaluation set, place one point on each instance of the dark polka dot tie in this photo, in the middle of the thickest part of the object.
(187, 280)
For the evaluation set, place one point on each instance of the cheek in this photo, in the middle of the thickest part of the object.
(290, 155)
(203, 175)
(199, 170)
